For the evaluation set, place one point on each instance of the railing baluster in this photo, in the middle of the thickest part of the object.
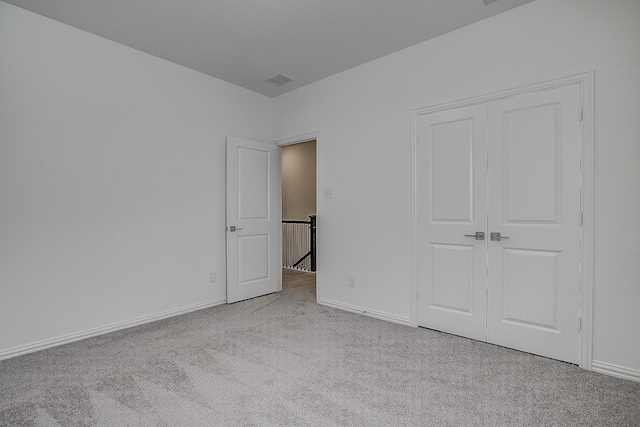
(298, 244)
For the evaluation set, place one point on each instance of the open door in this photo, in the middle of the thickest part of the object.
(254, 215)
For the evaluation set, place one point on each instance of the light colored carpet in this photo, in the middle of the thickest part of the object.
(282, 359)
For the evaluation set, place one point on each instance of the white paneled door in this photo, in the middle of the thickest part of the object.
(452, 180)
(510, 169)
(253, 219)
(534, 195)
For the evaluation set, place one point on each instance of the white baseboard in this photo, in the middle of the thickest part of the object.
(365, 311)
(615, 371)
(66, 339)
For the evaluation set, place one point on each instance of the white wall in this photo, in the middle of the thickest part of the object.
(111, 180)
(363, 116)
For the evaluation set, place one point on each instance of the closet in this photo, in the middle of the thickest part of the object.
(498, 238)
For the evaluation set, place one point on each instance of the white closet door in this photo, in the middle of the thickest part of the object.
(534, 200)
(451, 184)
(511, 167)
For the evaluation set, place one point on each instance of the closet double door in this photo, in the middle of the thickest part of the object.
(498, 233)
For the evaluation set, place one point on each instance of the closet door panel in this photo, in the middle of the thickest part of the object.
(534, 204)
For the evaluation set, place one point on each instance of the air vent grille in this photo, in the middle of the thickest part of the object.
(279, 80)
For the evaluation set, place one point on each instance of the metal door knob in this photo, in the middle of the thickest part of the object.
(496, 237)
(478, 236)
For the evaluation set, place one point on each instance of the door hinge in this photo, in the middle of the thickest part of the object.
(579, 324)
(581, 114)
(581, 218)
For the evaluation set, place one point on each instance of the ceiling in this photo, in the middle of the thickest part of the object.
(245, 42)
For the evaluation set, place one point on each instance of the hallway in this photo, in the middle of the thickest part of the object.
(293, 279)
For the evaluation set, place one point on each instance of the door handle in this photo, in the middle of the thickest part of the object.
(478, 236)
(496, 237)
(234, 228)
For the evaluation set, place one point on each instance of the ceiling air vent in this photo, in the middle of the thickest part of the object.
(279, 80)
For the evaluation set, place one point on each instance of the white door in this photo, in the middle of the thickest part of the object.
(512, 167)
(452, 185)
(253, 219)
(534, 199)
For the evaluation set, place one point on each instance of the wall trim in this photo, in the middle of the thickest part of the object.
(101, 330)
(298, 139)
(586, 82)
(615, 371)
(365, 311)
(508, 93)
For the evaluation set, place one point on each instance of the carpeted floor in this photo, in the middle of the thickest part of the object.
(282, 359)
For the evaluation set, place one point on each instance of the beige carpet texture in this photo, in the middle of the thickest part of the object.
(284, 360)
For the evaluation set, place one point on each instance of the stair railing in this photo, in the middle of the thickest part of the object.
(299, 244)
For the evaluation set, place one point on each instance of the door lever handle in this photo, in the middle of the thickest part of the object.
(496, 237)
(234, 228)
(478, 236)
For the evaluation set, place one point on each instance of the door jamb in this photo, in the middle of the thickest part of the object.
(319, 208)
(586, 82)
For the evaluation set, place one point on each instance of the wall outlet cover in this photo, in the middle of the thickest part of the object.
(352, 281)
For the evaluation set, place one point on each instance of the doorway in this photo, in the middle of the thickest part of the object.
(499, 251)
(299, 208)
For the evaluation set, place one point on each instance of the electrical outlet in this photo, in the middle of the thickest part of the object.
(352, 281)
(328, 193)
(212, 277)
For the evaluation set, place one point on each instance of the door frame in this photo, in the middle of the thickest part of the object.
(299, 139)
(586, 83)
